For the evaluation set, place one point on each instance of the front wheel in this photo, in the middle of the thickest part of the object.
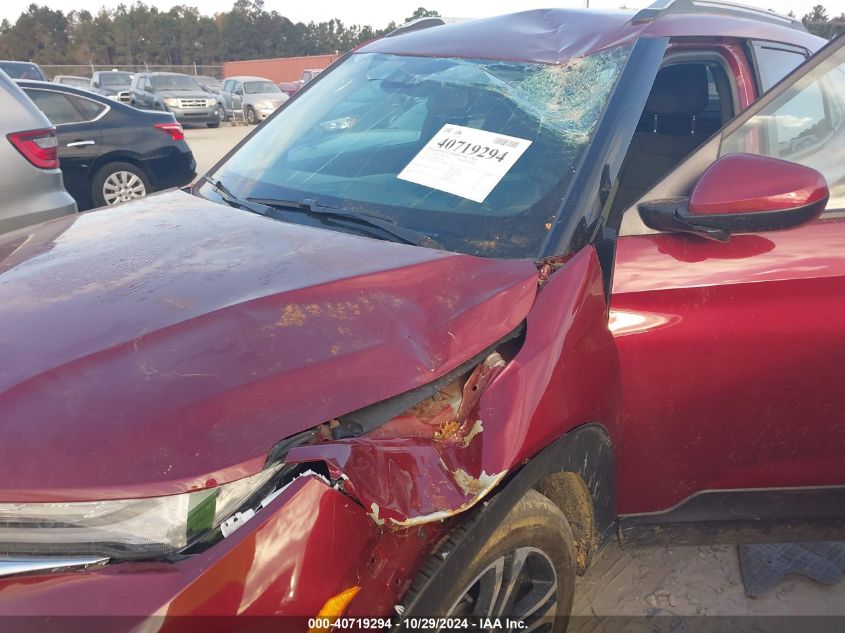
(525, 572)
(118, 182)
(221, 113)
(251, 118)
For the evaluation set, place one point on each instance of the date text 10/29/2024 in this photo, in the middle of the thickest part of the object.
(417, 624)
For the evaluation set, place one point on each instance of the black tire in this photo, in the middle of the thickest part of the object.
(535, 531)
(221, 113)
(113, 170)
(250, 116)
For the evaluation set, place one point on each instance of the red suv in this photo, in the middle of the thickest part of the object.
(479, 298)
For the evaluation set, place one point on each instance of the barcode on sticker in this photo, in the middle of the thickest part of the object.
(506, 142)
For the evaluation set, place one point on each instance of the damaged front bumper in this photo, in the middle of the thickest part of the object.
(368, 521)
(310, 543)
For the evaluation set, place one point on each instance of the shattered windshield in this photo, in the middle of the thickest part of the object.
(476, 154)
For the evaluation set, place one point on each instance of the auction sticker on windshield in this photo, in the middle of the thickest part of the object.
(464, 161)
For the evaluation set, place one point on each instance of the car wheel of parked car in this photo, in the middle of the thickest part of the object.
(221, 113)
(525, 571)
(250, 116)
(119, 182)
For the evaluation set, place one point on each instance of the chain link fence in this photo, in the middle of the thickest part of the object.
(87, 70)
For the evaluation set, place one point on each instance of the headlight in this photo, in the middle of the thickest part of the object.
(210, 102)
(125, 529)
(171, 102)
(263, 105)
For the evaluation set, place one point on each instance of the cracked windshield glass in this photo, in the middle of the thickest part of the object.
(477, 155)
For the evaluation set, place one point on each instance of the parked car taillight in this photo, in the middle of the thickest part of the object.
(174, 129)
(39, 147)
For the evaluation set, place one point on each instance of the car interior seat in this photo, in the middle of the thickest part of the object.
(680, 114)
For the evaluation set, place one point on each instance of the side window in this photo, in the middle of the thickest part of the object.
(805, 124)
(88, 109)
(227, 85)
(56, 107)
(775, 61)
(690, 100)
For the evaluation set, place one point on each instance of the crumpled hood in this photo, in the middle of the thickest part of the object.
(166, 345)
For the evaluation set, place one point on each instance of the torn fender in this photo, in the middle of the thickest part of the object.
(447, 453)
(421, 466)
(565, 374)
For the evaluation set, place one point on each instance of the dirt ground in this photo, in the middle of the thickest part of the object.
(687, 581)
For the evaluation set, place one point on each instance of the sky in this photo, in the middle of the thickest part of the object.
(378, 14)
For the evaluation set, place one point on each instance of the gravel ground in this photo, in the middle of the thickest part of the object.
(686, 581)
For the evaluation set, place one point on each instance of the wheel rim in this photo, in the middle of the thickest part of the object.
(521, 585)
(122, 186)
(250, 115)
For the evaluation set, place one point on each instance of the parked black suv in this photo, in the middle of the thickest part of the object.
(176, 93)
(113, 84)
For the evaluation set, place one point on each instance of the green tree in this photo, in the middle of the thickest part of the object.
(39, 34)
(818, 14)
(422, 12)
(138, 34)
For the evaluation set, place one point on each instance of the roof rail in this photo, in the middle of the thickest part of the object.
(417, 25)
(661, 8)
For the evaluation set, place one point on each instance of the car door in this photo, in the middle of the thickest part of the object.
(238, 96)
(77, 130)
(731, 353)
(226, 95)
(149, 95)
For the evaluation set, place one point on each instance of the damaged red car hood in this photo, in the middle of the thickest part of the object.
(166, 345)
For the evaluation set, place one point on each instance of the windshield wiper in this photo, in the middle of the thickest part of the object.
(315, 209)
(232, 200)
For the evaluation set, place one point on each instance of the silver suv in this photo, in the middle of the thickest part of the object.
(31, 188)
(256, 96)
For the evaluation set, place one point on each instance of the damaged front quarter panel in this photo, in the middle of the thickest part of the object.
(417, 459)
(420, 466)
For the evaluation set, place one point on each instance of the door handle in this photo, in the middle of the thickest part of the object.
(81, 143)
